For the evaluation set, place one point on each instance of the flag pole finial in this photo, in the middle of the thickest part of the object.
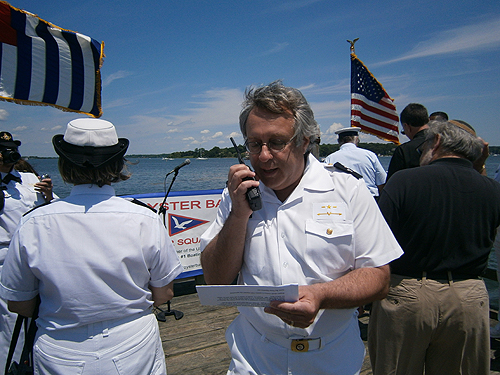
(352, 44)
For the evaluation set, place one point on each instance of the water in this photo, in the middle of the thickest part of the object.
(148, 176)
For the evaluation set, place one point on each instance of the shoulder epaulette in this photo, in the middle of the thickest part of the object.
(140, 203)
(34, 208)
(343, 168)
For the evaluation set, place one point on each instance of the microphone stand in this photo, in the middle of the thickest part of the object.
(162, 209)
(161, 316)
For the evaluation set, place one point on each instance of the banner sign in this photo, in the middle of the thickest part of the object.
(188, 214)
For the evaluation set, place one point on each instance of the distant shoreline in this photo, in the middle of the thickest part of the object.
(380, 149)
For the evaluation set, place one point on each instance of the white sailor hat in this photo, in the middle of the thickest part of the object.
(344, 132)
(90, 143)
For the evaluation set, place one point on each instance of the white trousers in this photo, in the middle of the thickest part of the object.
(253, 354)
(118, 347)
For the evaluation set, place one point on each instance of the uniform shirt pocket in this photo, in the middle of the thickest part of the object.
(330, 246)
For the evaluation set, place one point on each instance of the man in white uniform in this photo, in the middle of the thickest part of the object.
(19, 193)
(363, 161)
(319, 228)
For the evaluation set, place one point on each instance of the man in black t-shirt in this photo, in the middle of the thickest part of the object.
(444, 215)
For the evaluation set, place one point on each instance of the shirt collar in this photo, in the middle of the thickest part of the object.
(455, 161)
(348, 145)
(92, 189)
(315, 177)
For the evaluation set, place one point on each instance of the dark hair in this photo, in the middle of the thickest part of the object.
(347, 139)
(23, 166)
(113, 171)
(277, 98)
(414, 114)
(438, 116)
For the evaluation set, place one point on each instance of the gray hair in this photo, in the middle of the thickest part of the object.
(277, 98)
(457, 138)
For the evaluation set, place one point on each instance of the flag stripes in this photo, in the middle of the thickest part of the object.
(46, 65)
(371, 108)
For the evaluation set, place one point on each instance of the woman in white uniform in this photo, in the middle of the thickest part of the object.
(98, 263)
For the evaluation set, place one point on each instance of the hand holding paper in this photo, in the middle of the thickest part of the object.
(301, 313)
(246, 295)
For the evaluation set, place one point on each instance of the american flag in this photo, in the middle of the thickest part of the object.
(371, 108)
(42, 64)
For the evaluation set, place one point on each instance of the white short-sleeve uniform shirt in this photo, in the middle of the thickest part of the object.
(363, 161)
(329, 226)
(90, 256)
(19, 199)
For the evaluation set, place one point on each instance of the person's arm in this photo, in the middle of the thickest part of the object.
(24, 308)
(222, 258)
(380, 175)
(397, 162)
(356, 288)
(162, 294)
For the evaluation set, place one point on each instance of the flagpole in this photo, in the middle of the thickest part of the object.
(352, 45)
(352, 53)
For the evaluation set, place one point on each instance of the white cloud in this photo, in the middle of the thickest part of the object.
(3, 114)
(20, 128)
(206, 131)
(113, 77)
(289, 6)
(188, 139)
(278, 47)
(217, 135)
(343, 86)
(334, 127)
(480, 36)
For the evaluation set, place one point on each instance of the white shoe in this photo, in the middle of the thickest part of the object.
(495, 331)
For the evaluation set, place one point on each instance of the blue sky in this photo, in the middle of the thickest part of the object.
(175, 71)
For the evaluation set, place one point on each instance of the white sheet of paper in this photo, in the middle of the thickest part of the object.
(246, 295)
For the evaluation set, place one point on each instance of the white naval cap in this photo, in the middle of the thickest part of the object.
(352, 130)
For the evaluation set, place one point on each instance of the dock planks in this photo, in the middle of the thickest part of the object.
(196, 345)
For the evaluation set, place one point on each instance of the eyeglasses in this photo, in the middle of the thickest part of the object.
(275, 145)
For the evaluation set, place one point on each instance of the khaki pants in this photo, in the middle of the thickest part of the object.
(438, 325)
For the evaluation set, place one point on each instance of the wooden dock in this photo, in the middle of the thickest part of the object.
(195, 344)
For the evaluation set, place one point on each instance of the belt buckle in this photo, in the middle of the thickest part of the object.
(300, 345)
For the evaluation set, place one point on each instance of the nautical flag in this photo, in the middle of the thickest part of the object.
(42, 64)
(371, 108)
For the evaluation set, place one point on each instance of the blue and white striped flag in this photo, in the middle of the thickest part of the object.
(42, 64)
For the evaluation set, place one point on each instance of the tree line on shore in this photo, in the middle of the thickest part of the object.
(380, 149)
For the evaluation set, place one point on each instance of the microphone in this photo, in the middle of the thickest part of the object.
(176, 169)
